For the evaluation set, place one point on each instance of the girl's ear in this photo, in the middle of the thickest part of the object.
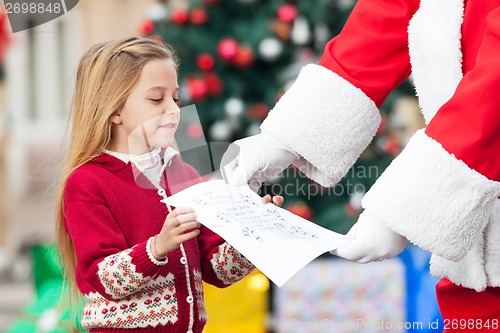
(116, 118)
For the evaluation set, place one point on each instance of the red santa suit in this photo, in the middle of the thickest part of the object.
(441, 192)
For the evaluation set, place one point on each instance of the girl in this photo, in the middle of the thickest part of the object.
(138, 263)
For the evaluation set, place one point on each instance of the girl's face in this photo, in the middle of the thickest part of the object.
(151, 112)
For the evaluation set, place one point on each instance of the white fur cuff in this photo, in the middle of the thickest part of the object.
(479, 268)
(433, 199)
(326, 120)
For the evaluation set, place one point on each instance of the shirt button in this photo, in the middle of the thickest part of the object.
(183, 260)
(189, 299)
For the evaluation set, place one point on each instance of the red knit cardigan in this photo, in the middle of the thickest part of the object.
(111, 213)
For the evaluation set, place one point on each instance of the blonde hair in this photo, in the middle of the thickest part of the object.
(106, 74)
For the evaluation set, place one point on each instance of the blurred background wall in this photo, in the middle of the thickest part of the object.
(35, 94)
(40, 66)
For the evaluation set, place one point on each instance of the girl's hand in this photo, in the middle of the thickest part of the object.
(277, 199)
(179, 226)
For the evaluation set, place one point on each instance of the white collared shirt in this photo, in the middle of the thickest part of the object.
(149, 163)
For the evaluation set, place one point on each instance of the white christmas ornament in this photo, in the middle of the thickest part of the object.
(184, 93)
(220, 131)
(157, 12)
(253, 129)
(270, 49)
(321, 34)
(346, 4)
(300, 34)
(357, 196)
(288, 84)
(234, 107)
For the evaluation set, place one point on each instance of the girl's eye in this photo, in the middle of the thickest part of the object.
(178, 102)
(157, 100)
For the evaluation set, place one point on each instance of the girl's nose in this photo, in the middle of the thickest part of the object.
(172, 109)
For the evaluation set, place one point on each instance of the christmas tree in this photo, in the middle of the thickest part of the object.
(236, 59)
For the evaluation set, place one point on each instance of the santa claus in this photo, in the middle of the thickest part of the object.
(441, 193)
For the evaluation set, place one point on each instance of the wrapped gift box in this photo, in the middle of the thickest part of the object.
(334, 295)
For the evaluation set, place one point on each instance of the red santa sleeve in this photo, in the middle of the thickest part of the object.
(440, 191)
(468, 126)
(336, 101)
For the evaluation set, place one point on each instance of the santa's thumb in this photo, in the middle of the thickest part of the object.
(353, 251)
(240, 176)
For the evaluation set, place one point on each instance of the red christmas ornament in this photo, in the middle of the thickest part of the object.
(392, 146)
(351, 210)
(282, 29)
(382, 126)
(199, 16)
(287, 13)
(205, 62)
(159, 39)
(194, 131)
(258, 111)
(279, 95)
(245, 57)
(228, 49)
(180, 16)
(301, 209)
(5, 35)
(197, 88)
(214, 84)
(146, 27)
(211, 2)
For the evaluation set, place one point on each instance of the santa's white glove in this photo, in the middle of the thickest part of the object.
(369, 240)
(254, 159)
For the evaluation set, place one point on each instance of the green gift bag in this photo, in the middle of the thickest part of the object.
(49, 311)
